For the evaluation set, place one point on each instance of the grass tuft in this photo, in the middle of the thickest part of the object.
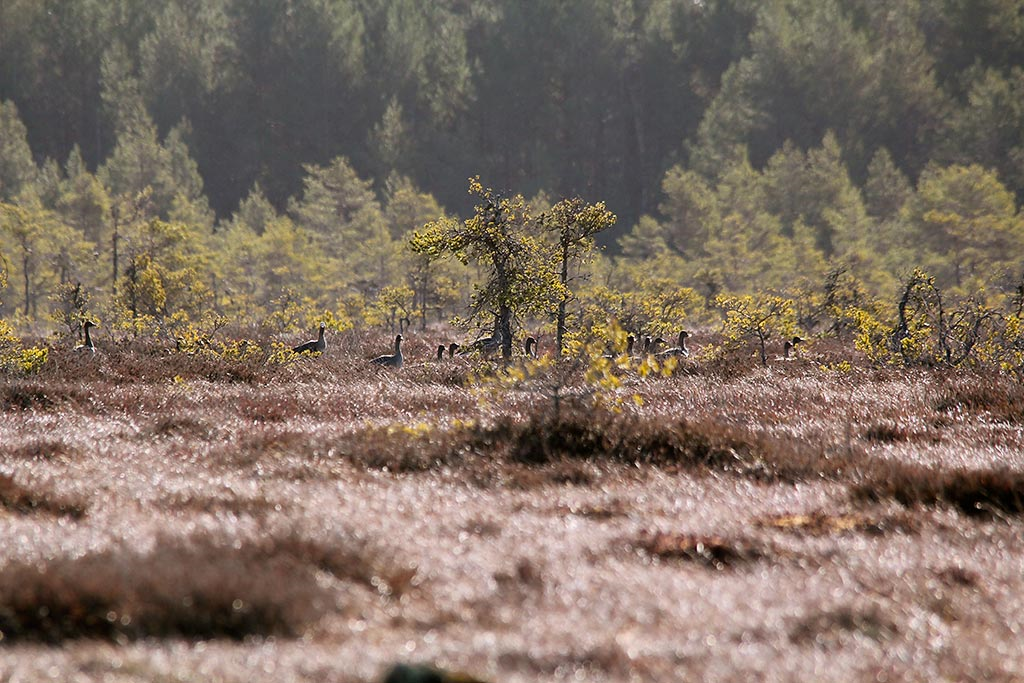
(40, 448)
(976, 493)
(193, 588)
(821, 523)
(22, 395)
(1000, 397)
(827, 628)
(20, 499)
(711, 552)
(888, 432)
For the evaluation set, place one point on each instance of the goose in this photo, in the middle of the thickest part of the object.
(318, 344)
(484, 345)
(452, 348)
(440, 351)
(789, 346)
(394, 360)
(87, 345)
(530, 347)
(651, 344)
(679, 350)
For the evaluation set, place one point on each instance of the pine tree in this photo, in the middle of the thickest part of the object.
(17, 169)
(500, 239)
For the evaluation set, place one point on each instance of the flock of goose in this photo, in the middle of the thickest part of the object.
(483, 345)
(492, 344)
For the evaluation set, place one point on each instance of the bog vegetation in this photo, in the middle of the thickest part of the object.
(829, 168)
(207, 183)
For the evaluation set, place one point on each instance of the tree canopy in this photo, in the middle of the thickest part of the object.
(282, 156)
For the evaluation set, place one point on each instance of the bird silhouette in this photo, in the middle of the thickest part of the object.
(318, 344)
(394, 360)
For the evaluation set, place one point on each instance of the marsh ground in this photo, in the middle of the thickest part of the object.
(173, 519)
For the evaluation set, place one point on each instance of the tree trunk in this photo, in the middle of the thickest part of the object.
(113, 243)
(560, 329)
(636, 144)
(505, 327)
(25, 268)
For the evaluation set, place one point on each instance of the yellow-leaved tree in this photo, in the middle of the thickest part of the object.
(760, 318)
(501, 238)
(573, 223)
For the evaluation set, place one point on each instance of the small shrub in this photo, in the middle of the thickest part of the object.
(39, 448)
(1000, 397)
(254, 506)
(602, 436)
(827, 628)
(710, 552)
(35, 395)
(28, 361)
(195, 588)
(887, 432)
(958, 577)
(183, 425)
(25, 500)
(821, 523)
(628, 438)
(972, 492)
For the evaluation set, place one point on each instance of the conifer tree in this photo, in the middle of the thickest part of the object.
(500, 238)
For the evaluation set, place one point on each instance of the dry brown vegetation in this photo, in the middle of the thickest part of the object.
(174, 517)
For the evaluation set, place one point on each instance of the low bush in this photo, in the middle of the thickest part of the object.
(604, 436)
(193, 588)
(972, 492)
(710, 552)
(27, 500)
(37, 395)
(1001, 397)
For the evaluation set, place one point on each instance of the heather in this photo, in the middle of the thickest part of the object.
(325, 519)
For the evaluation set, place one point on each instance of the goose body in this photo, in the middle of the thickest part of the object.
(651, 345)
(318, 344)
(484, 345)
(679, 350)
(87, 346)
(394, 360)
(790, 346)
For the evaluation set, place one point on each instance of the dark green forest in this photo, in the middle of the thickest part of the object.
(167, 158)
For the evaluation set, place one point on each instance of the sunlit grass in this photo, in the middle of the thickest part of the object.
(329, 508)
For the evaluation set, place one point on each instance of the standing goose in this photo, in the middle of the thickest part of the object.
(680, 350)
(394, 360)
(789, 346)
(87, 346)
(440, 351)
(530, 347)
(318, 344)
(651, 345)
